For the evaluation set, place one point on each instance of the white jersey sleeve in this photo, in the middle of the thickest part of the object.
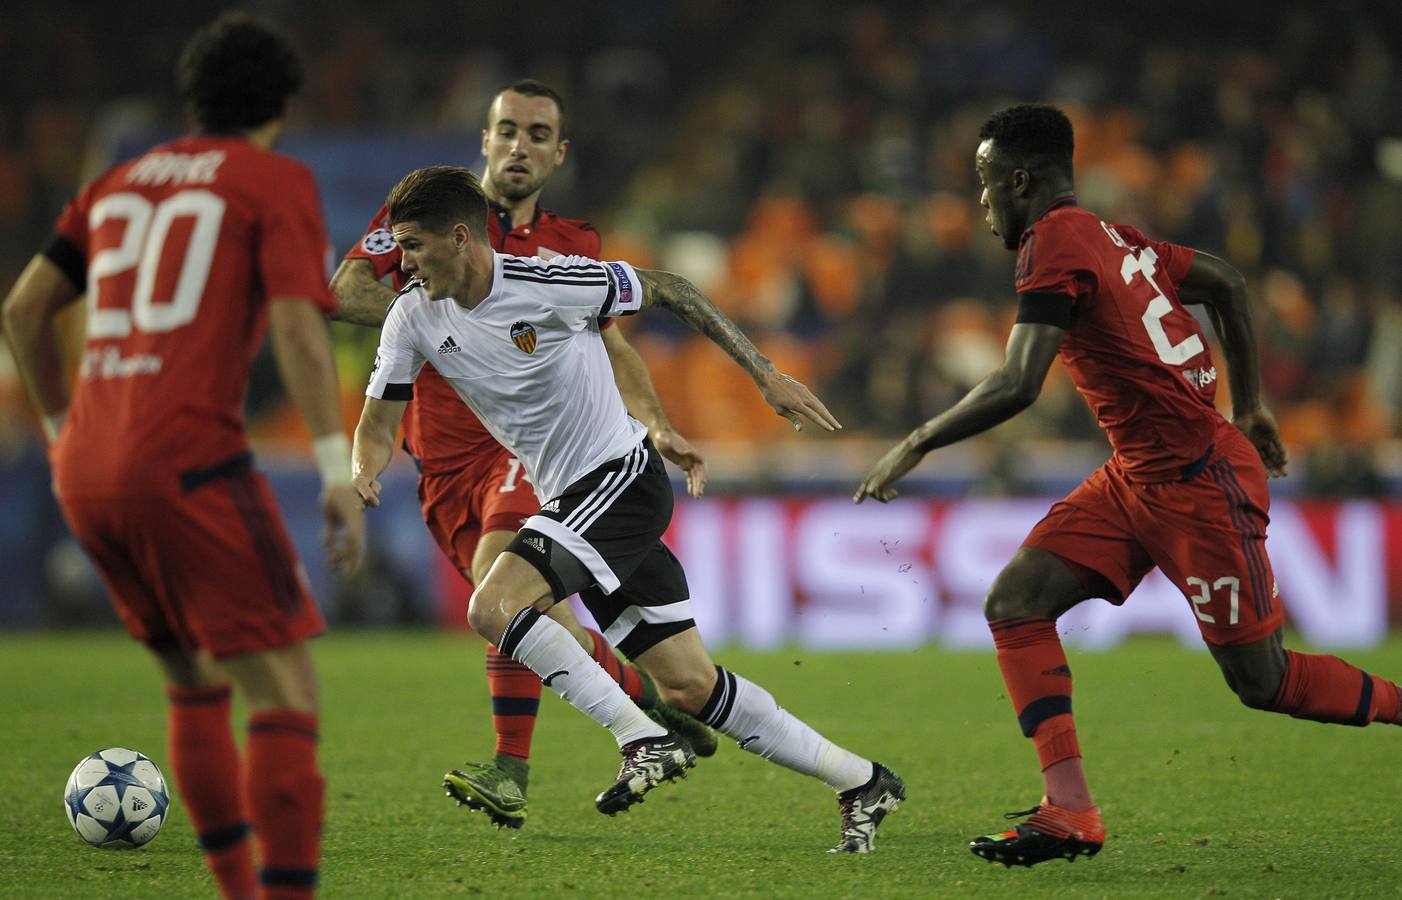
(580, 288)
(397, 361)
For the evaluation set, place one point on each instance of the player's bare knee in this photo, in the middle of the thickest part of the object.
(1002, 605)
(485, 616)
(1007, 600)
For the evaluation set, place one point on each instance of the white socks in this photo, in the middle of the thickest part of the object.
(750, 714)
(549, 650)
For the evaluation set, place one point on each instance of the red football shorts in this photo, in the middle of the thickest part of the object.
(207, 566)
(1206, 532)
(492, 494)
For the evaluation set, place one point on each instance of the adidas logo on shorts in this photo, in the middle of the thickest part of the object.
(537, 543)
(552, 506)
(449, 346)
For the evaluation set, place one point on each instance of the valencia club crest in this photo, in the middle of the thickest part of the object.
(523, 334)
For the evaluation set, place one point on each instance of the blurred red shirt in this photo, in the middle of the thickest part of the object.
(183, 248)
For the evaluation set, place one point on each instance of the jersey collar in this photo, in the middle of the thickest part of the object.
(1063, 202)
(503, 216)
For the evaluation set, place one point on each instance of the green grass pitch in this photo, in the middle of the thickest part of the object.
(1202, 797)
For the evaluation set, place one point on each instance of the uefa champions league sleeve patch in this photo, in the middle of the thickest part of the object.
(625, 284)
(378, 242)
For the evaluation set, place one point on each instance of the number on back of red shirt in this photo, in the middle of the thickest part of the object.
(143, 247)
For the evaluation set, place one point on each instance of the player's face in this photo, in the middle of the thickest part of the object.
(438, 260)
(1007, 213)
(522, 145)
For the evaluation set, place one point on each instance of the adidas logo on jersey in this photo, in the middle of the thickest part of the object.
(552, 506)
(449, 345)
(535, 543)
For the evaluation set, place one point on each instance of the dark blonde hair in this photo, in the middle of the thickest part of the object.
(437, 198)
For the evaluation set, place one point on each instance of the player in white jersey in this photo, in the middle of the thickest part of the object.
(518, 339)
(528, 360)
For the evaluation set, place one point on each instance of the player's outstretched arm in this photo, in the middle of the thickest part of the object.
(361, 298)
(1218, 286)
(29, 316)
(1003, 394)
(639, 395)
(785, 395)
(302, 350)
(374, 445)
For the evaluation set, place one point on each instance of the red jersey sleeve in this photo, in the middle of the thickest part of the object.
(1174, 259)
(294, 251)
(1050, 260)
(377, 245)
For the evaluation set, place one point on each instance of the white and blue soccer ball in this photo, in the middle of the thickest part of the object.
(116, 798)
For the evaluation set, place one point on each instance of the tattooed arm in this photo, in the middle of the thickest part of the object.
(785, 395)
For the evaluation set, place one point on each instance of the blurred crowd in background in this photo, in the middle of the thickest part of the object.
(810, 166)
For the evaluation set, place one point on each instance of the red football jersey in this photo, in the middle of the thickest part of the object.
(1133, 351)
(443, 434)
(183, 246)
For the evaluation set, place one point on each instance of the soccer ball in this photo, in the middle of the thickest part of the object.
(116, 799)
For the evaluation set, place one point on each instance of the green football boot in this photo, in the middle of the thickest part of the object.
(497, 790)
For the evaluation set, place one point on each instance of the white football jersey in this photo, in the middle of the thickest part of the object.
(528, 360)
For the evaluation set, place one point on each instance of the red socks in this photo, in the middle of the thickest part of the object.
(626, 676)
(1327, 689)
(515, 691)
(1039, 684)
(206, 764)
(285, 795)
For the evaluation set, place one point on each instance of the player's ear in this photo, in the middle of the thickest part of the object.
(1021, 182)
(462, 236)
(485, 134)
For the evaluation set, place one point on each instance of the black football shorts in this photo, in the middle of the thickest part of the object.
(602, 538)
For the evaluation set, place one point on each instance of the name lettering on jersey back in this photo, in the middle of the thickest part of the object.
(1201, 378)
(108, 362)
(158, 169)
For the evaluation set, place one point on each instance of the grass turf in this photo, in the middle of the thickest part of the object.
(1201, 796)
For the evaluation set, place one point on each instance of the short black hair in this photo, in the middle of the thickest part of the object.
(236, 73)
(1032, 136)
(529, 87)
(437, 198)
